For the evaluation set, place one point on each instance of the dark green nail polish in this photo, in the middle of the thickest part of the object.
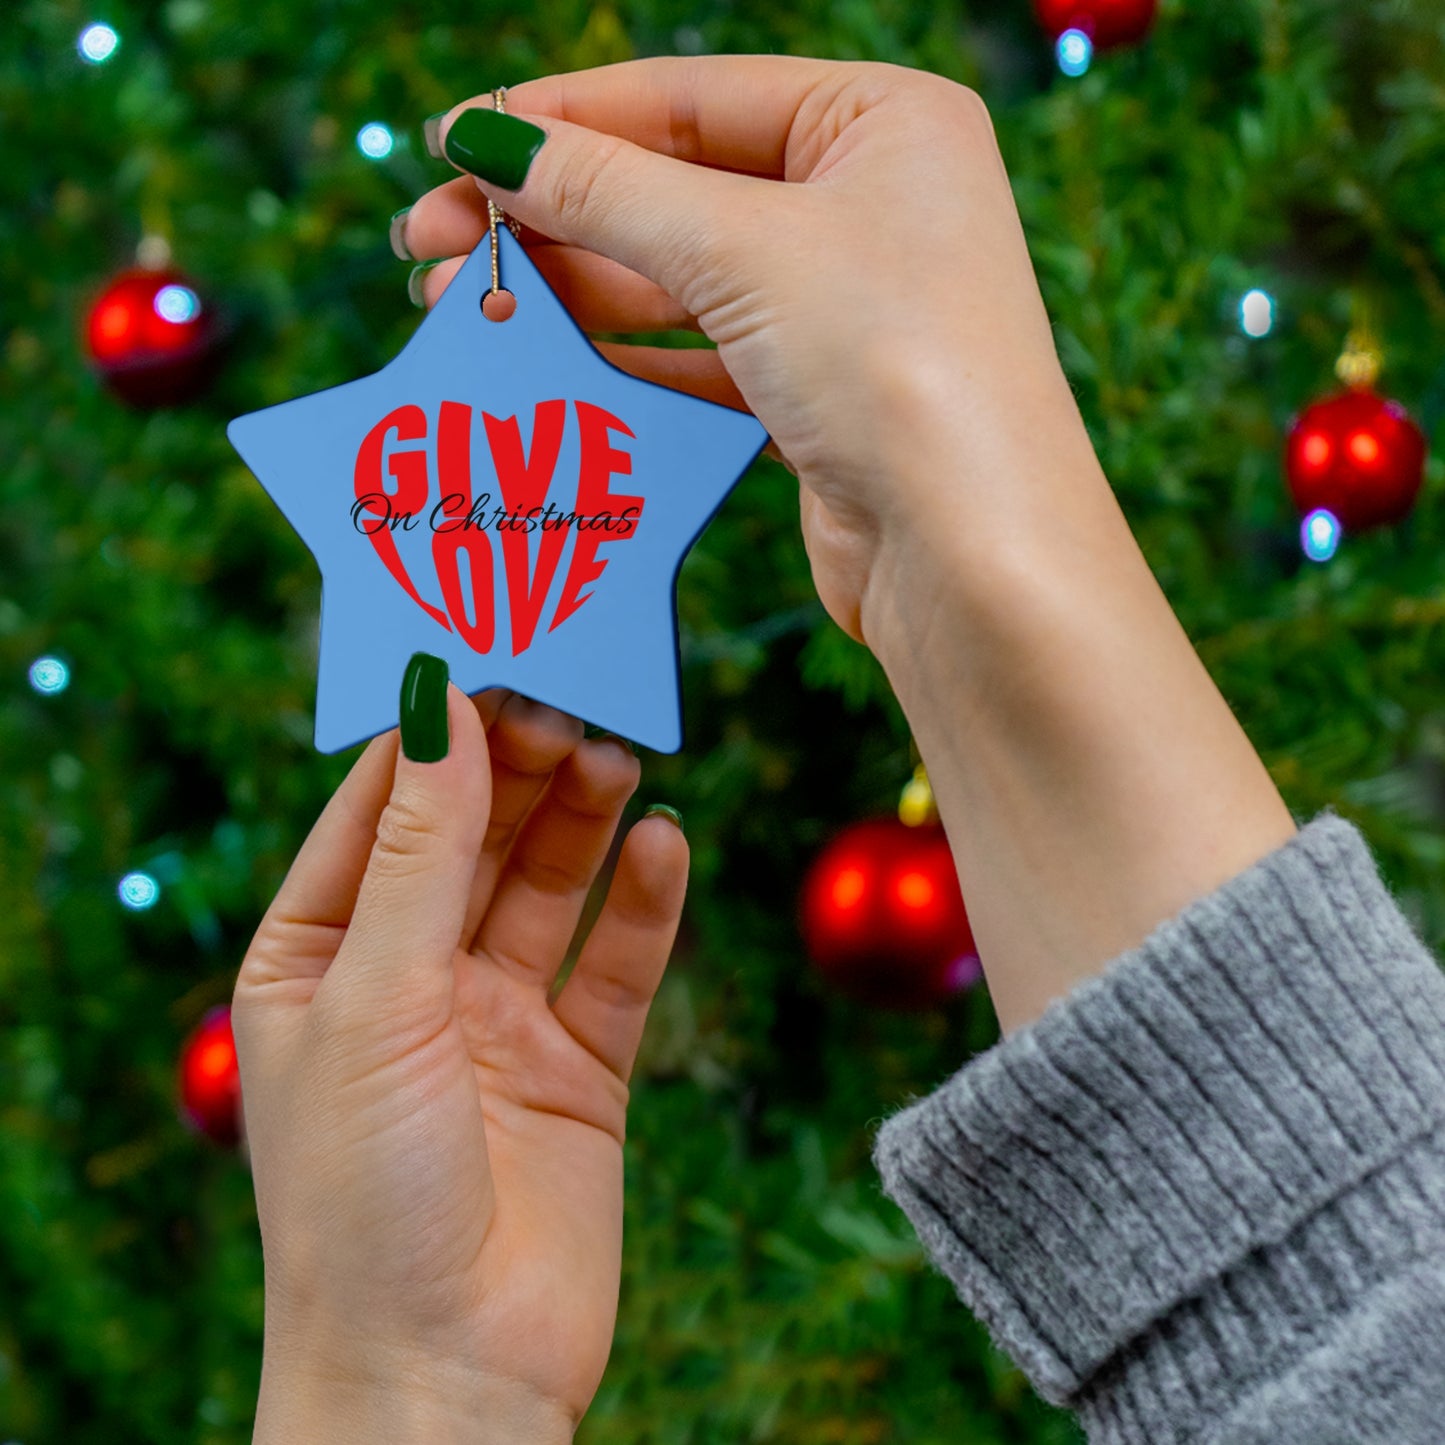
(498, 148)
(425, 736)
(413, 282)
(671, 814)
(431, 133)
(397, 235)
(593, 733)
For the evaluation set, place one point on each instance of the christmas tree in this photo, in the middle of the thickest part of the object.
(158, 627)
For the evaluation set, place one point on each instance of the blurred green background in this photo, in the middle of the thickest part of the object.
(770, 1292)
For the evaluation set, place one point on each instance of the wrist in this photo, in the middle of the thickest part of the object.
(1092, 779)
(983, 515)
(363, 1402)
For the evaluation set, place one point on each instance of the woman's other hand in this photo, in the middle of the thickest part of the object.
(437, 1148)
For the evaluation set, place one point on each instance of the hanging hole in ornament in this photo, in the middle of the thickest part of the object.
(498, 305)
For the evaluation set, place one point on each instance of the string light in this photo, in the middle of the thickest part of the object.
(375, 141)
(97, 43)
(1320, 535)
(1256, 313)
(964, 971)
(177, 304)
(49, 675)
(138, 891)
(1075, 52)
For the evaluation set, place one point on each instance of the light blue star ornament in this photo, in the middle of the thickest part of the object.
(501, 496)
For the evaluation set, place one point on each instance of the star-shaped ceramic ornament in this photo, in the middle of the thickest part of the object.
(503, 497)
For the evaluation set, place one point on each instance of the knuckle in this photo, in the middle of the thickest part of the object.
(407, 834)
(939, 104)
(650, 913)
(974, 109)
(615, 990)
(684, 129)
(885, 73)
(927, 92)
(577, 197)
(550, 876)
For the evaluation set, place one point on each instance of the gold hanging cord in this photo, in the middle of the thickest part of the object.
(494, 211)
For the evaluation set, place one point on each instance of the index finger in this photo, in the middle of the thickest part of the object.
(735, 112)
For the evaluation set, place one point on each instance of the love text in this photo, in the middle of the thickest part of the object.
(461, 524)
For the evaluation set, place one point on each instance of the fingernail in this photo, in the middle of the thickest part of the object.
(431, 133)
(671, 814)
(600, 735)
(413, 282)
(425, 736)
(397, 234)
(498, 148)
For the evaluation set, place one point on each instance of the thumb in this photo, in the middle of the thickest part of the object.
(406, 926)
(669, 220)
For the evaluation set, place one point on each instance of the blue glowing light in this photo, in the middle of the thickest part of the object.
(97, 43)
(1075, 52)
(177, 304)
(964, 972)
(138, 891)
(1256, 313)
(49, 675)
(1320, 535)
(375, 141)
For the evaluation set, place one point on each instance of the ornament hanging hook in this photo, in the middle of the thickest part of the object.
(153, 253)
(494, 212)
(1360, 362)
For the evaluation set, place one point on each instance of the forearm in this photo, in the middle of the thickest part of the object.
(1092, 779)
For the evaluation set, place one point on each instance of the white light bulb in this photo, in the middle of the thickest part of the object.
(138, 891)
(1256, 313)
(1320, 535)
(49, 675)
(375, 141)
(97, 43)
(177, 304)
(1075, 52)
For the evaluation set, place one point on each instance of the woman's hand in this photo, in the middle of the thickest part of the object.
(437, 1149)
(880, 316)
(846, 233)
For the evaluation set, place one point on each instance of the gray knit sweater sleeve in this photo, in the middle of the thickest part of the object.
(1202, 1199)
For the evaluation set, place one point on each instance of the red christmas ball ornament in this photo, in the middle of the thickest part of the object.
(883, 917)
(210, 1081)
(152, 338)
(1107, 23)
(1359, 456)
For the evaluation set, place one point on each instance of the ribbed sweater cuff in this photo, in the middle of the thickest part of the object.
(1252, 1062)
